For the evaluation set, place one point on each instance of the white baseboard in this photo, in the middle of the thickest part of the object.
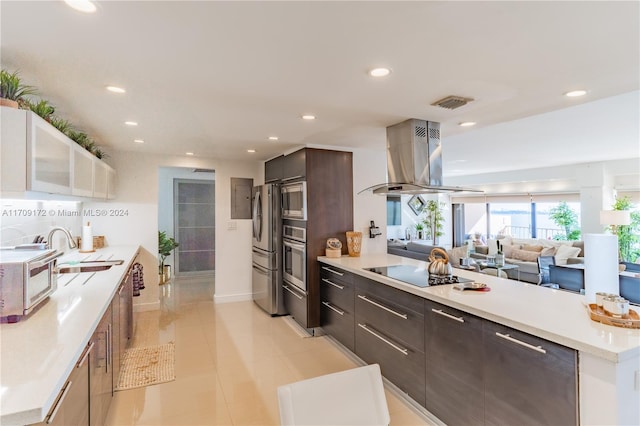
(232, 298)
(143, 307)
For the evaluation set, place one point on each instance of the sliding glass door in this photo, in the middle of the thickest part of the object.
(194, 215)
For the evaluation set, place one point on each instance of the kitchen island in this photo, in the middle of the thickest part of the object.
(38, 353)
(608, 358)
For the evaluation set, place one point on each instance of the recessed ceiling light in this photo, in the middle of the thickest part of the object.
(131, 123)
(379, 72)
(308, 117)
(188, 153)
(116, 89)
(576, 93)
(81, 5)
(251, 151)
(467, 124)
(138, 141)
(273, 138)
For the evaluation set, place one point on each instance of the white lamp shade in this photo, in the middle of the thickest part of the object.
(615, 217)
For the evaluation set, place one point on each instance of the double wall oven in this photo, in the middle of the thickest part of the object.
(294, 256)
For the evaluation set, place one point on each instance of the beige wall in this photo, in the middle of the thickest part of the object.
(137, 192)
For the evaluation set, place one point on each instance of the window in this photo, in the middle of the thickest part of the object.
(394, 210)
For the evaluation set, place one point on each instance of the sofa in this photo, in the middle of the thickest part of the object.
(416, 249)
(524, 252)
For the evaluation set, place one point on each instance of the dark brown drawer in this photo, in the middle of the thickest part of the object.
(336, 275)
(295, 301)
(339, 323)
(398, 297)
(339, 294)
(400, 364)
(404, 325)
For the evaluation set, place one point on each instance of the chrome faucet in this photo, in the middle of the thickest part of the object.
(70, 240)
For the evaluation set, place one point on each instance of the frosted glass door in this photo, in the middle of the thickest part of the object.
(50, 151)
(82, 172)
(194, 215)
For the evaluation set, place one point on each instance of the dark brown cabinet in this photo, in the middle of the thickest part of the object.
(528, 380)
(454, 374)
(329, 182)
(295, 300)
(273, 169)
(337, 304)
(390, 332)
(122, 311)
(294, 165)
(101, 374)
(71, 406)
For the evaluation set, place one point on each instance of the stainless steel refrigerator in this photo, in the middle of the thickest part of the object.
(267, 246)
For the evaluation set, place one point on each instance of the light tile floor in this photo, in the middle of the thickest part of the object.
(230, 358)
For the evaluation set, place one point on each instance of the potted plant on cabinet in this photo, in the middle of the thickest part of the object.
(12, 91)
(165, 246)
(420, 230)
(434, 220)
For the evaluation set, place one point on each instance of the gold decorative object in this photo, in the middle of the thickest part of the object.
(354, 243)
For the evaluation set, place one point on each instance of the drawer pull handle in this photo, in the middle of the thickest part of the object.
(328, 305)
(292, 292)
(332, 270)
(59, 403)
(444, 314)
(341, 287)
(86, 354)
(366, 299)
(521, 343)
(393, 345)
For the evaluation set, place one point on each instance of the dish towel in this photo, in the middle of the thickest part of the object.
(138, 279)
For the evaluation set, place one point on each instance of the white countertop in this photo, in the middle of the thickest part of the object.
(38, 353)
(555, 315)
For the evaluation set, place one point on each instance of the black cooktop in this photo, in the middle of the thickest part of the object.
(416, 276)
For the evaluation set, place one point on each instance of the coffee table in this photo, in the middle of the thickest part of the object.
(505, 267)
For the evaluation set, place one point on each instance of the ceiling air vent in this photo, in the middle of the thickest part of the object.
(204, 171)
(452, 102)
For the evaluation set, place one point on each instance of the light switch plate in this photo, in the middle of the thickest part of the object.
(232, 226)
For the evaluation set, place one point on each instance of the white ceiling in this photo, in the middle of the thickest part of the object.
(218, 78)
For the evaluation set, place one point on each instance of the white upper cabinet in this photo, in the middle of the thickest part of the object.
(111, 183)
(82, 172)
(100, 179)
(35, 156)
(49, 152)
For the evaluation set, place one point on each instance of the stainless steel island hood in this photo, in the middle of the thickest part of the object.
(414, 160)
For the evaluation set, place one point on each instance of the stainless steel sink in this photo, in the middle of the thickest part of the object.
(88, 266)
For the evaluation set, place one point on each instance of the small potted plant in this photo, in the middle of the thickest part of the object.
(165, 246)
(420, 230)
(12, 91)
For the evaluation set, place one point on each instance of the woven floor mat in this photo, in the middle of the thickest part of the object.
(147, 366)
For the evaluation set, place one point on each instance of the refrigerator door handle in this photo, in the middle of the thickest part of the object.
(260, 269)
(257, 216)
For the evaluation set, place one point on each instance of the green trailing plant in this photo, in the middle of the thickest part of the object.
(567, 219)
(165, 246)
(99, 153)
(61, 124)
(11, 86)
(434, 220)
(628, 235)
(43, 108)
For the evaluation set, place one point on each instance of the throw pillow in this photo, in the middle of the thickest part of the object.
(507, 250)
(564, 252)
(525, 255)
(548, 251)
(529, 247)
(482, 249)
(455, 255)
